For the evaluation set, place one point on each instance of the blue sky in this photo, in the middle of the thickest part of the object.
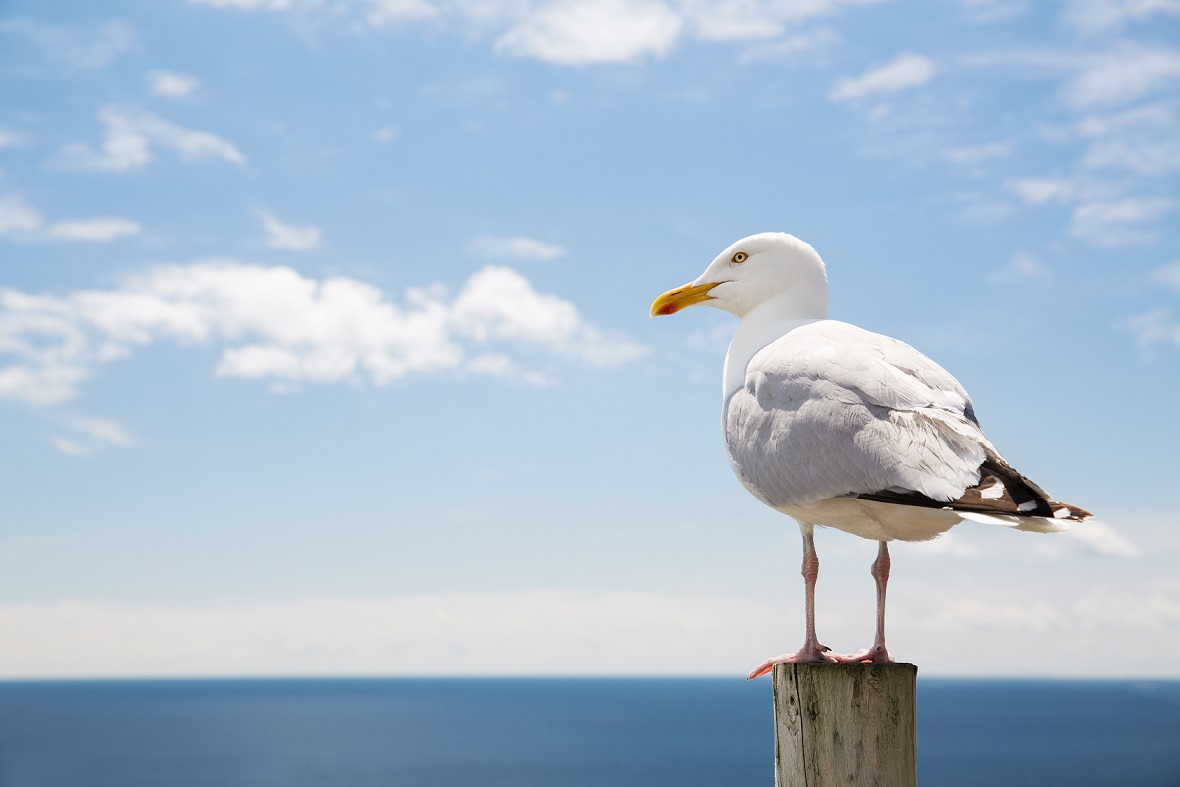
(324, 344)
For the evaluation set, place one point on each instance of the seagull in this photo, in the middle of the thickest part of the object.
(839, 427)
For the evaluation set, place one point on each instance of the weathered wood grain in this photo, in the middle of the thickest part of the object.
(845, 725)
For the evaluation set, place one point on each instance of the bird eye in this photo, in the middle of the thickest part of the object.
(739, 257)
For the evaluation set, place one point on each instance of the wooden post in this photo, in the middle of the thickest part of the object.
(845, 725)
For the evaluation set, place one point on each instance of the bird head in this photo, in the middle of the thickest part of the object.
(757, 269)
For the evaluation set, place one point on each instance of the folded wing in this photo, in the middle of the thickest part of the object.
(831, 410)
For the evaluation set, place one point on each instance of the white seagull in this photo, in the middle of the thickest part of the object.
(839, 427)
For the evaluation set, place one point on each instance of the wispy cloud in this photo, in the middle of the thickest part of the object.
(1168, 275)
(171, 84)
(1022, 267)
(92, 229)
(1157, 326)
(1110, 76)
(1103, 213)
(386, 134)
(383, 13)
(18, 218)
(12, 139)
(276, 324)
(1144, 140)
(83, 50)
(1102, 539)
(907, 70)
(1104, 16)
(288, 236)
(248, 5)
(1121, 75)
(515, 248)
(990, 11)
(1119, 222)
(20, 221)
(791, 47)
(971, 155)
(130, 138)
(90, 435)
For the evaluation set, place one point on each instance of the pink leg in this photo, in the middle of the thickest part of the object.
(811, 650)
(880, 571)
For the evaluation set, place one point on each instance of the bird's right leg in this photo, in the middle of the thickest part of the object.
(811, 650)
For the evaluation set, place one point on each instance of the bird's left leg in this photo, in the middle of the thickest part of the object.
(878, 654)
(812, 650)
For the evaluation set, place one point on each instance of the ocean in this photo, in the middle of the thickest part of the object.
(553, 732)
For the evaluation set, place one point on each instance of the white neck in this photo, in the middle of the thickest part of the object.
(762, 325)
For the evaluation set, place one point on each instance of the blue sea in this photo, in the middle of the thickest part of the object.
(538, 732)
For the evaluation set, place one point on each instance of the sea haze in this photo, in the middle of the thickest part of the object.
(552, 732)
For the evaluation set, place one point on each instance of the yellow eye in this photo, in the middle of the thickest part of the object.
(739, 257)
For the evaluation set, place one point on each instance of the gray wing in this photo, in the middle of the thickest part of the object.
(831, 410)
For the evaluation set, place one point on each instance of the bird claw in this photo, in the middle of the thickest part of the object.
(874, 655)
(813, 654)
(822, 654)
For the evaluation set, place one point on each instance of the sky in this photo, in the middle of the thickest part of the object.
(325, 348)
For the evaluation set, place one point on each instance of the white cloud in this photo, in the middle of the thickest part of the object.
(83, 50)
(907, 70)
(1141, 157)
(1118, 222)
(1022, 267)
(977, 154)
(1039, 191)
(582, 32)
(89, 435)
(498, 304)
(1157, 326)
(790, 48)
(1122, 75)
(987, 11)
(103, 229)
(172, 84)
(287, 236)
(17, 217)
(247, 5)
(131, 136)
(980, 210)
(1103, 16)
(760, 20)
(394, 12)
(12, 139)
(387, 134)
(22, 222)
(515, 248)
(1103, 213)
(1116, 75)
(1102, 539)
(734, 20)
(1144, 140)
(502, 366)
(278, 325)
(1168, 275)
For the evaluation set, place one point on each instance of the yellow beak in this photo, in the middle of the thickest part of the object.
(673, 301)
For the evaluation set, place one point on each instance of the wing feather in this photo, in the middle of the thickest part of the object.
(831, 410)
